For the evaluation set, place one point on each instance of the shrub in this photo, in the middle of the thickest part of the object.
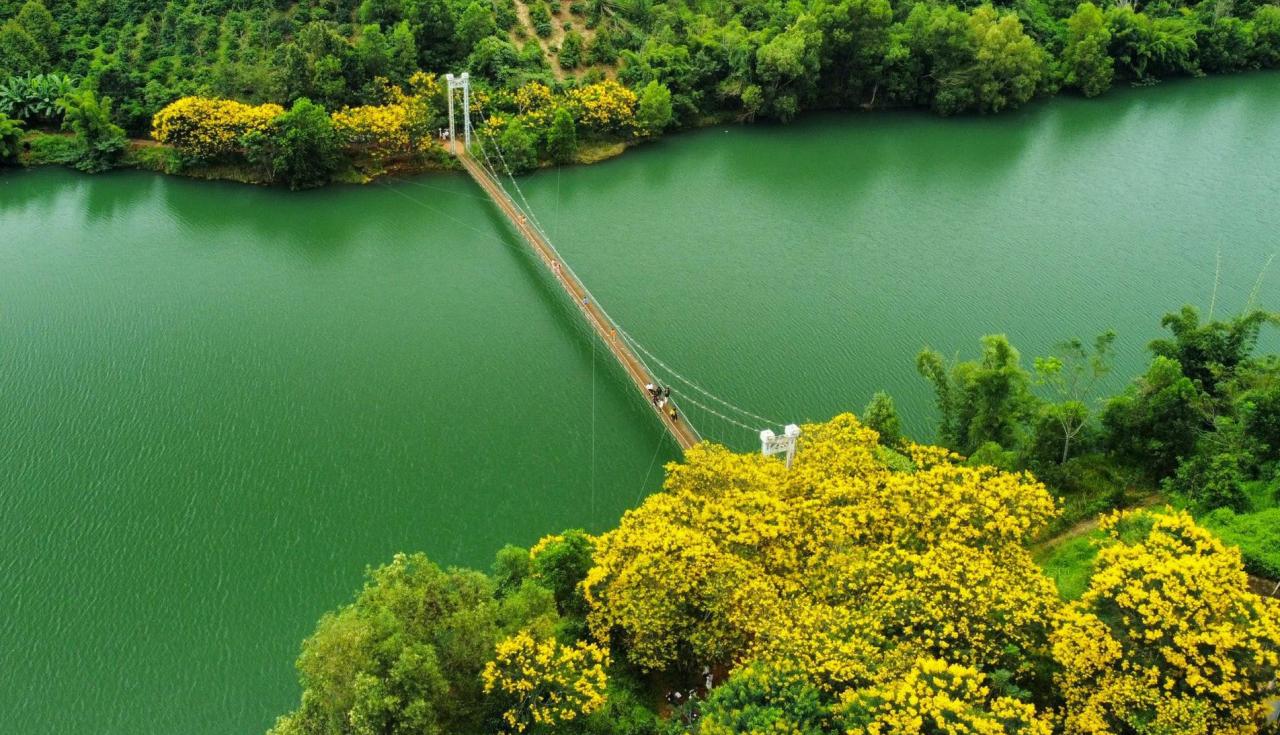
(1210, 481)
(540, 17)
(10, 135)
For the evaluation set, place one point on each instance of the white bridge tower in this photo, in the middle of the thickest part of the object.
(771, 443)
(462, 82)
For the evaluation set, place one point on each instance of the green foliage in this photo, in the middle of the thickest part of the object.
(1072, 373)
(540, 16)
(560, 563)
(50, 149)
(758, 698)
(1266, 36)
(1210, 353)
(511, 567)
(405, 657)
(1156, 422)
(1257, 534)
(1085, 61)
(35, 97)
(475, 23)
(562, 137)
(1260, 410)
(1210, 481)
(653, 114)
(300, 148)
(570, 54)
(10, 137)
(519, 147)
(20, 52)
(101, 141)
(980, 401)
(154, 158)
(881, 415)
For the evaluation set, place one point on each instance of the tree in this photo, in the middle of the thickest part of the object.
(1008, 64)
(855, 44)
(210, 129)
(1167, 638)
(938, 698)
(1156, 421)
(562, 137)
(1085, 61)
(787, 67)
(881, 415)
(560, 563)
(982, 401)
(1211, 481)
(407, 655)
(519, 149)
(542, 684)
(36, 19)
(475, 23)
(654, 111)
(300, 148)
(10, 137)
(89, 118)
(1210, 353)
(841, 563)
(20, 52)
(758, 698)
(1266, 36)
(1073, 375)
(570, 54)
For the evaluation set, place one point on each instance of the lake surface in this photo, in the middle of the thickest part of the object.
(219, 403)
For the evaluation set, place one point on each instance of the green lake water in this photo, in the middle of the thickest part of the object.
(219, 403)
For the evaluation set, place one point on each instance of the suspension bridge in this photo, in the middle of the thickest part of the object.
(628, 353)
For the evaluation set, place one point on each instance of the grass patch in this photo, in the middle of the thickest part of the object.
(1070, 563)
(1257, 534)
(45, 149)
(159, 158)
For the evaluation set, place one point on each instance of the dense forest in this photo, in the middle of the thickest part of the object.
(880, 587)
(103, 69)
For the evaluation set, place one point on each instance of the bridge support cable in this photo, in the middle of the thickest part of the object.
(742, 411)
(627, 349)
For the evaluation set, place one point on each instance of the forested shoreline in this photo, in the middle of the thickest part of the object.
(353, 88)
(879, 586)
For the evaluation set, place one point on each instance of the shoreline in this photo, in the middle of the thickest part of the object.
(147, 154)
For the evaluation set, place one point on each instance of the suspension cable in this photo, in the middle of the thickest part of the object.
(527, 211)
(634, 343)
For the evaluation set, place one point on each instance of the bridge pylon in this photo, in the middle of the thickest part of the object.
(463, 82)
(771, 443)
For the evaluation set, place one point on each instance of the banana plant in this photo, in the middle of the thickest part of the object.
(35, 96)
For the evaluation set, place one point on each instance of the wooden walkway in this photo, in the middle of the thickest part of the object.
(679, 427)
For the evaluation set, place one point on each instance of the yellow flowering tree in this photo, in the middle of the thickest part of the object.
(605, 106)
(938, 698)
(543, 684)
(1168, 638)
(207, 129)
(380, 129)
(841, 566)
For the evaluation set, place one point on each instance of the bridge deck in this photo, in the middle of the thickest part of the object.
(679, 427)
